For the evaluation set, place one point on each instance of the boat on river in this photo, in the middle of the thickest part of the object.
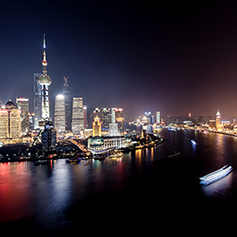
(41, 162)
(73, 160)
(176, 154)
(215, 175)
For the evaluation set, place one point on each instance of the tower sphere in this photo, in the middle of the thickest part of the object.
(44, 80)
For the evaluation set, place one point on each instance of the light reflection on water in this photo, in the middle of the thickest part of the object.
(47, 191)
(218, 189)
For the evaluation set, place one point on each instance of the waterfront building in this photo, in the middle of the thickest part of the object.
(212, 124)
(23, 105)
(218, 119)
(45, 81)
(158, 117)
(4, 130)
(48, 138)
(68, 104)
(59, 114)
(96, 127)
(10, 122)
(77, 115)
(37, 100)
(98, 143)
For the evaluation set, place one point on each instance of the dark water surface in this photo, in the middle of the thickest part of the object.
(142, 190)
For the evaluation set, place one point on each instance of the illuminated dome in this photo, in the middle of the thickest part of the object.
(44, 80)
(97, 141)
(10, 105)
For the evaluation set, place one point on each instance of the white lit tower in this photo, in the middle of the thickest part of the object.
(59, 114)
(44, 80)
(218, 119)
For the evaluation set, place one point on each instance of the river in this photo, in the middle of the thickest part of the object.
(139, 187)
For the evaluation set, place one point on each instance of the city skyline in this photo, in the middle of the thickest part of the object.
(172, 58)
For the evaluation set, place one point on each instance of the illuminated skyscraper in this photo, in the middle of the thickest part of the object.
(158, 117)
(106, 118)
(218, 119)
(77, 115)
(59, 114)
(97, 127)
(116, 118)
(48, 138)
(10, 121)
(85, 115)
(68, 104)
(44, 80)
(23, 105)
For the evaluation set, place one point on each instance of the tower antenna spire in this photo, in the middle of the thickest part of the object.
(44, 61)
(44, 44)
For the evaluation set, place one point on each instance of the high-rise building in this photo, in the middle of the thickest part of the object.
(85, 115)
(10, 121)
(37, 100)
(158, 117)
(113, 130)
(59, 114)
(48, 138)
(117, 122)
(4, 130)
(23, 105)
(106, 118)
(44, 80)
(77, 115)
(218, 119)
(118, 113)
(68, 104)
(97, 127)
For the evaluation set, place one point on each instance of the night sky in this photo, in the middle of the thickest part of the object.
(176, 58)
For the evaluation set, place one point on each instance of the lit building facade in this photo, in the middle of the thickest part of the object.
(97, 143)
(113, 130)
(59, 114)
(117, 122)
(77, 115)
(48, 138)
(10, 122)
(158, 117)
(4, 130)
(106, 118)
(23, 105)
(96, 127)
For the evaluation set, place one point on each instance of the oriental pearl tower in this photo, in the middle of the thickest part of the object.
(44, 80)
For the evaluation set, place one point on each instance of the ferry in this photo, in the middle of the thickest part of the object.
(216, 175)
(41, 162)
(73, 160)
(174, 129)
(175, 155)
